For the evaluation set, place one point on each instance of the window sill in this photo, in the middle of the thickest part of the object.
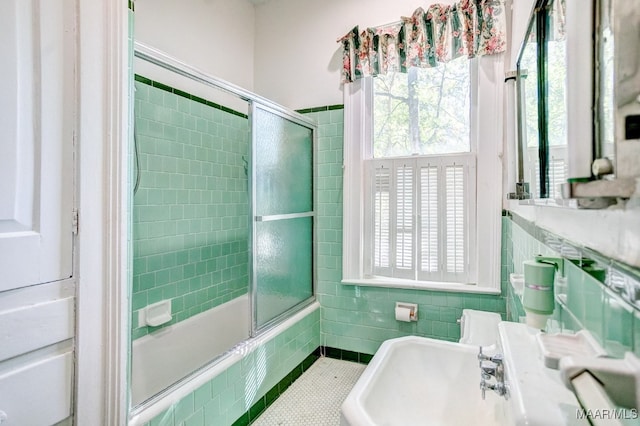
(421, 285)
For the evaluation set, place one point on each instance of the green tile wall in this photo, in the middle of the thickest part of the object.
(227, 397)
(190, 214)
(590, 303)
(359, 318)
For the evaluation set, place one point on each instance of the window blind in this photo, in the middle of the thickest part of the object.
(421, 218)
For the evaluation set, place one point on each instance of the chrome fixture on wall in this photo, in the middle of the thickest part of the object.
(492, 366)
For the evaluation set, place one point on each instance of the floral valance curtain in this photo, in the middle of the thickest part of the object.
(443, 32)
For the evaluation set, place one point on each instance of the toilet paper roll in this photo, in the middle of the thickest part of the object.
(403, 314)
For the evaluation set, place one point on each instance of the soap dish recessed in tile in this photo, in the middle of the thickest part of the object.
(556, 346)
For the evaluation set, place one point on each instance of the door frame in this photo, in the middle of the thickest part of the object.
(102, 304)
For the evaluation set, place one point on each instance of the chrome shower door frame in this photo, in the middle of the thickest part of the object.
(255, 218)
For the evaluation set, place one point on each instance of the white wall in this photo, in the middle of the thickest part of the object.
(297, 59)
(215, 36)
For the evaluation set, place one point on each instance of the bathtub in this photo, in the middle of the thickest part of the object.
(164, 357)
(144, 413)
(421, 381)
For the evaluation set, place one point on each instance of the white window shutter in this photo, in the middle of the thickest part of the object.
(420, 221)
(455, 209)
(404, 244)
(429, 233)
(381, 175)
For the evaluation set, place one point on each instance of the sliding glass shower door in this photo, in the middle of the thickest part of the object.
(283, 214)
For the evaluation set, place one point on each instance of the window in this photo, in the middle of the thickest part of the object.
(423, 112)
(421, 175)
(412, 173)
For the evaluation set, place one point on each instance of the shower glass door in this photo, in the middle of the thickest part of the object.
(283, 214)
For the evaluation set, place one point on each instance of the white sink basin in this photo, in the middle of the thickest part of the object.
(421, 381)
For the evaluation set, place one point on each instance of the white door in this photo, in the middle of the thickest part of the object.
(37, 122)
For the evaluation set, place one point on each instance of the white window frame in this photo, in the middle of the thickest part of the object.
(487, 120)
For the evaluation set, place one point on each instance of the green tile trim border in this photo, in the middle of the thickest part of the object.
(186, 95)
(611, 271)
(345, 355)
(320, 109)
(272, 394)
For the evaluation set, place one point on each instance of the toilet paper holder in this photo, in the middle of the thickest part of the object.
(403, 308)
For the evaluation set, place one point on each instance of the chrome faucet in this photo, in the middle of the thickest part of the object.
(492, 366)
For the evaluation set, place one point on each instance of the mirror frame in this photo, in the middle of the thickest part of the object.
(538, 18)
(541, 21)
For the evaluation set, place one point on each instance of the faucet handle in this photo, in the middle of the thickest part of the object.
(497, 358)
(482, 357)
(488, 368)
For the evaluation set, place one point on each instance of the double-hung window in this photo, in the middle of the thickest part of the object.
(419, 175)
(411, 179)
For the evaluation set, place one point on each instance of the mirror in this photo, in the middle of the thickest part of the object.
(556, 92)
(618, 85)
(527, 89)
(542, 100)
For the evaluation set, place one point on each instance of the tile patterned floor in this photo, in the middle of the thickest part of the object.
(315, 398)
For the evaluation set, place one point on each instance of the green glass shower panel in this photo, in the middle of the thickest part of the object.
(284, 254)
(284, 165)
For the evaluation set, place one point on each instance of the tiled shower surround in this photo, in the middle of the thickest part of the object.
(596, 294)
(190, 214)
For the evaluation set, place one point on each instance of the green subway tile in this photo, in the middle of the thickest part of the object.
(453, 331)
(184, 408)
(636, 333)
(243, 420)
(271, 396)
(163, 419)
(202, 396)
(147, 281)
(139, 300)
(213, 414)
(455, 300)
(593, 304)
(154, 295)
(450, 315)
(350, 356)
(618, 325)
(257, 409)
(161, 86)
(219, 384)
(440, 329)
(196, 419)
